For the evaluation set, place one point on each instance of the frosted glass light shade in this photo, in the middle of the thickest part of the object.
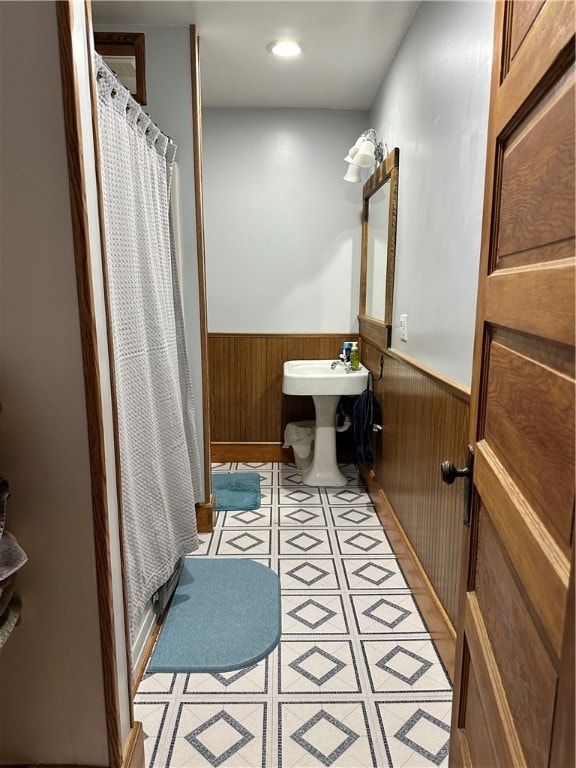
(352, 174)
(284, 48)
(353, 151)
(365, 155)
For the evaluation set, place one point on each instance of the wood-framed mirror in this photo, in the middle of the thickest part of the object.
(379, 210)
(124, 53)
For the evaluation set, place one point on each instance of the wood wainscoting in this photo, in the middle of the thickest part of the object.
(248, 411)
(425, 420)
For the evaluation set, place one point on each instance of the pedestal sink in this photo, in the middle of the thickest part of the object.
(326, 385)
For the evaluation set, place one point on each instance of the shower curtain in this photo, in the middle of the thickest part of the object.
(159, 456)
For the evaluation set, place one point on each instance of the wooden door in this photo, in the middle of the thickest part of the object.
(514, 687)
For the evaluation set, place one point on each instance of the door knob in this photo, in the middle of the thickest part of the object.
(450, 473)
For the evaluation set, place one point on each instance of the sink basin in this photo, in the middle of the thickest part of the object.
(316, 377)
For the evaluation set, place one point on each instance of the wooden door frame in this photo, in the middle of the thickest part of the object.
(131, 752)
(133, 748)
(205, 511)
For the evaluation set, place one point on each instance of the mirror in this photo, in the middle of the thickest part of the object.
(124, 53)
(377, 252)
(380, 203)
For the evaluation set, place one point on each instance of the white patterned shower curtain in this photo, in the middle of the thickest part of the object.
(159, 456)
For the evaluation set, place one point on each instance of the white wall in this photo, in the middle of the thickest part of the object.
(169, 104)
(52, 707)
(282, 228)
(433, 105)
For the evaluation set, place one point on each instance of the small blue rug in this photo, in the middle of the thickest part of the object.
(225, 615)
(236, 490)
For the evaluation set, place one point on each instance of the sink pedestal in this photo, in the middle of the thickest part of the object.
(324, 468)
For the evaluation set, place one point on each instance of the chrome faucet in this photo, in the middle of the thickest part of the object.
(336, 363)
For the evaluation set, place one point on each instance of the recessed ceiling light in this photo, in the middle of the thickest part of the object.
(284, 48)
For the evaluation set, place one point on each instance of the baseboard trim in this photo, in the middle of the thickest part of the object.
(205, 515)
(138, 672)
(435, 616)
(251, 452)
(134, 748)
(269, 452)
(140, 649)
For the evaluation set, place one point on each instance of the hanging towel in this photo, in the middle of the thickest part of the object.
(12, 556)
(7, 594)
(367, 418)
(9, 618)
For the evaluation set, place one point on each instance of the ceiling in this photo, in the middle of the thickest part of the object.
(348, 46)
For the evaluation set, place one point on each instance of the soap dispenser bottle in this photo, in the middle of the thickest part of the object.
(354, 357)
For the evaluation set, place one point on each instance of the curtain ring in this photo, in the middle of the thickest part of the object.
(113, 93)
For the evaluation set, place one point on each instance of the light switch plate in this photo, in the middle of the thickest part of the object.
(403, 327)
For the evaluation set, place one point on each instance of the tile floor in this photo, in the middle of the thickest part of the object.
(355, 681)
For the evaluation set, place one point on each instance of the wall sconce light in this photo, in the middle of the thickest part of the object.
(366, 152)
(353, 173)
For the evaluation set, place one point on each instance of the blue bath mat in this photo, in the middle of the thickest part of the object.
(236, 490)
(225, 615)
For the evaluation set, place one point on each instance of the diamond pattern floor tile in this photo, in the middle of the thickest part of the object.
(307, 541)
(371, 541)
(253, 542)
(318, 614)
(416, 733)
(399, 666)
(301, 516)
(351, 495)
(331, 733)
(255, 518)
(318, 666)
(355, 682)
(380, 574)
(384, 615)
(356, 515)
(301, 496)
(218, 734)
(310, 573)
(250, 680)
